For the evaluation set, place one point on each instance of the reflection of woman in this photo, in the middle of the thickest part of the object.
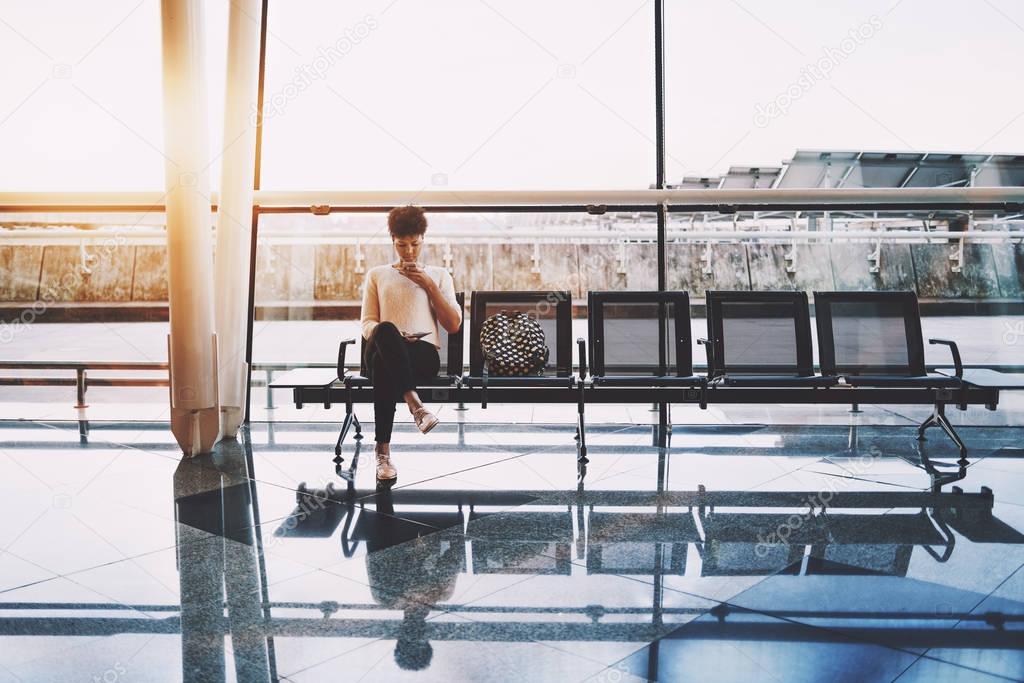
(403, 303)
(430, 565)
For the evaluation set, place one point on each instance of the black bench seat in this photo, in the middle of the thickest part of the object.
(738, 380)
(930, 381)
(759, 351)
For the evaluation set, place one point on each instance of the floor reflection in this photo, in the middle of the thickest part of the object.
(222, 585)
(626, 577)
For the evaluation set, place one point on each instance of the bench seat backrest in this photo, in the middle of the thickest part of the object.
(869, 333)
(451, 351)
(759, 333)
(552, 309)
(624, 329)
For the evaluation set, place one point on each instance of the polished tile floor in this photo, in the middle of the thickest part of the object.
(718, 553)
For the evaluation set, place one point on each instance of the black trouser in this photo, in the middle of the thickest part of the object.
(395, 366)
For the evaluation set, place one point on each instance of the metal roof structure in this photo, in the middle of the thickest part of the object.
(850, 169)
(863, 169)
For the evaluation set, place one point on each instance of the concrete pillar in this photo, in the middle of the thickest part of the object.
(234, 210)
(191, 345)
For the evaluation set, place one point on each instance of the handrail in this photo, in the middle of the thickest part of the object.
(82, 381)
(676, 199)
(996, 198)
(137, 365)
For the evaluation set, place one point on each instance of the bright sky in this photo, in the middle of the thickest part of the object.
(524, 94)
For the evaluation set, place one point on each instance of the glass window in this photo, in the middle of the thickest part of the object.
(83, 110)
(750, 83)
(462, 94)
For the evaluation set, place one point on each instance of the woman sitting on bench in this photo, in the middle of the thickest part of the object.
(403, 302)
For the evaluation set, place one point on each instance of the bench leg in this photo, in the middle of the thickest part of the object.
(349, 417)
(581, 432)
(660, 436)
(359, 428)
(349, 475)
(940, 478)
(938, 417)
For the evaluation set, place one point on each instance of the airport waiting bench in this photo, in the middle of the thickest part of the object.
(758, 346)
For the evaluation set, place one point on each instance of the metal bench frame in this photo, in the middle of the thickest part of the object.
(566, 387)
(912, 374)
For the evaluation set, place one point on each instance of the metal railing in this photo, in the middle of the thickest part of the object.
(1003, 199)
(82, 381)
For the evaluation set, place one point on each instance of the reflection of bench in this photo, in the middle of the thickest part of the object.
(880, 543)
(742, 544)
(523, 543)
(736, 533)
(767, 543)
(759, 351)
(639, 542)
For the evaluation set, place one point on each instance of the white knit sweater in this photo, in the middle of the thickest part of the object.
(389, 296)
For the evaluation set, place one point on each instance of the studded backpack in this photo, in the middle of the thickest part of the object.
(513, 345)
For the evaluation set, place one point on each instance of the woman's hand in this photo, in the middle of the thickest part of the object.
(419, 276)
(409, 337)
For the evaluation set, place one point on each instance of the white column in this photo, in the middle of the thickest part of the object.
(191, 346)
(234, 212)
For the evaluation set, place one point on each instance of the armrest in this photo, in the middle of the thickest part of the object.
(957, 363)
(709, 350)
(342, 346)
(581, 344)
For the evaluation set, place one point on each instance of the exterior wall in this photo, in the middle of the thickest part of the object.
(331, 273)
(936, 279)
(19, 272)
(851, 267)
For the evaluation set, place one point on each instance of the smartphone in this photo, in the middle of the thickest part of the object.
(417, 335)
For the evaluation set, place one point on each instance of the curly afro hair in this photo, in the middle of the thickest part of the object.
(407, 221)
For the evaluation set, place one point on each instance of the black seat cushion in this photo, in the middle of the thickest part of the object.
(648, 381)
(911, 381)
(526, 381)
(355, 380)
(777, 380)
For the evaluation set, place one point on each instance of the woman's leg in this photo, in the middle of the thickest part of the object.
(393, 367)
(425, 363)
(389, 365)
(384, 394)
(383, 413)
(397, 366)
